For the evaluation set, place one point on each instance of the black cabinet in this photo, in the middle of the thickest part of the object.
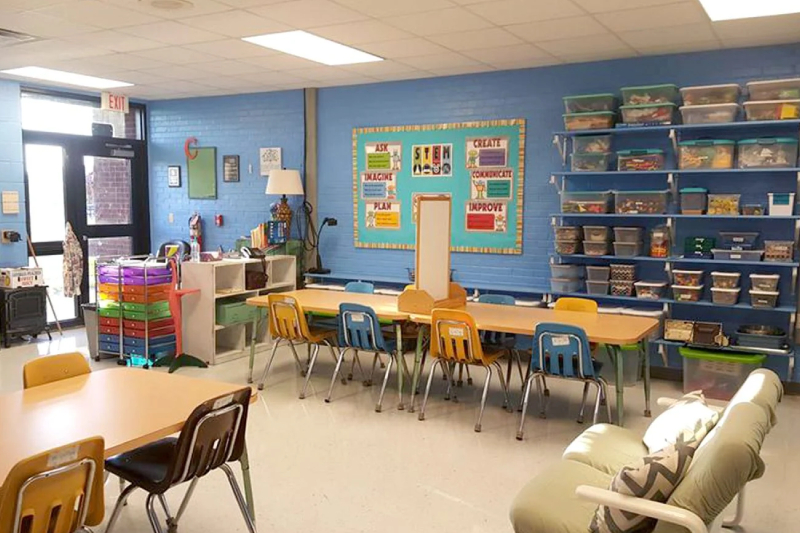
(23, 312)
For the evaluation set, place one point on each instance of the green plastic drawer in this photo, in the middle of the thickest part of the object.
(152, 314)
(141, 308)
(109, 312)
(237, 312)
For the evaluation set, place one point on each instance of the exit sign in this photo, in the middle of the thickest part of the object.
(114, 102)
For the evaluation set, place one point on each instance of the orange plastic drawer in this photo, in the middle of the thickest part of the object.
(151, 289)
(141, 298)
(114, 297)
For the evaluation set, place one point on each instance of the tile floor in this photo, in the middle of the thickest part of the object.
(342, 468)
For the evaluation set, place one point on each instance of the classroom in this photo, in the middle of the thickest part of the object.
(480, 266)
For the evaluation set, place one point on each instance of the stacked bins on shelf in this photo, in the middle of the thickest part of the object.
(135, 320)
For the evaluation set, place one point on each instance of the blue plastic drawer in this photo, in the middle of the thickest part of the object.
(153, 351)
(155, 341)
(109, 347)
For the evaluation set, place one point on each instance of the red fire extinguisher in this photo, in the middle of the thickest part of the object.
(196, 229)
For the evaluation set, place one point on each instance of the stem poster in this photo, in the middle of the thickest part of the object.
(480, 165)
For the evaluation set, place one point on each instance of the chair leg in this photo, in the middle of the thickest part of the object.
(121, 500)
(518, 357)
(300, 366)
(269, 364)
(375, 359)
(504, 384)
(544, 394)
(436, 363)
(544, 385)
(469, 378)
(122, 487)
(510, 367)
(597, 402)
(526, 391)
(173, 522)
(151, 514)
(483, 397)
(335, 373)
(237, 493)
(314, 353)
(352, 366)
(379, 406)
(419, 374)
(335, 357)
(164, 505)
(450, 372)
(460, 382)
(583, 401)
(604, 385)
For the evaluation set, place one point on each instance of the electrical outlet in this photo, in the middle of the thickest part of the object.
(171, 218)
(8, 236)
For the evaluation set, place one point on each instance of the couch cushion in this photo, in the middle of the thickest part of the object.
(689, 414)
(607, 448)
(548, 503)
(764, 388)
(725, 461)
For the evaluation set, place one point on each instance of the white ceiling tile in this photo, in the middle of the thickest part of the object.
(43, 26)
(550, 30)
(679, 48)
(413, 74)
(232, 49)
(129, 62)
(58, 49)
(654, 37)
(114, 40)
(391, 8)
(138, 77)
(97, 14)
(228, 67)
(243, 4)
(404, 48)
(326, 73)
(305, 14)
(585, 45)
(223, 82)
(431, 63)
(504, 12)
(176, 55)
(360, 32)
(505, 54)
(379, 68)
(273, 78)
(195, 8)
(81, 66)
(440, 21)
(468, 2)
(175, 72)
(181, 86)
(603, 6)
(466, 69)
(331, 83)
(654, 17)
(759, 28)
(28, 5)
(471, 40)
(280, 62)
(170, 32)
(598, 56)
(235, 24)
(527, 63)
(747, 40)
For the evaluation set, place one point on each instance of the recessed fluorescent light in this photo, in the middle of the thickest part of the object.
(745, 9)
(70, 78)
(308, 46)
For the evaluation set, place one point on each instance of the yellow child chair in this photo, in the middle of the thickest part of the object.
(57, 491)
(54, 368)
(287, 324)
(455, 341)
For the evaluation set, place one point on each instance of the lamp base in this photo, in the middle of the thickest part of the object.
(319, 271)
(283, 213)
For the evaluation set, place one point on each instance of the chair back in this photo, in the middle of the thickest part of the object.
(454, 336)
(54, 368)
(359, 328)
(579, 305)
(562, 350)
(183, 249)
(363, 287)
(212, 436)
(493, 337)
(57, 491)
(286, 318)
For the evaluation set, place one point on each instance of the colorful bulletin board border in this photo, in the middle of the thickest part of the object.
(481, 165)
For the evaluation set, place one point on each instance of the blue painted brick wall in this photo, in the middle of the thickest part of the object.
(11, 172)
(236, 125)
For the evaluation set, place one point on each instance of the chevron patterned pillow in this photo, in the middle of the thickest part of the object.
(691, 414)
(654, 477)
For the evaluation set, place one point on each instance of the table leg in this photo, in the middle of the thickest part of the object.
(401, 363)
(417, 364)
(253, 337)
(244, 461)
(646, 356)
(619, 384)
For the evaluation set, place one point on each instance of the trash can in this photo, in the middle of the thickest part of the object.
(90, 321)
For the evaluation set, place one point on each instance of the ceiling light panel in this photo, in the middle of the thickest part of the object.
(744, 9)
(69, 78)
(312, 47)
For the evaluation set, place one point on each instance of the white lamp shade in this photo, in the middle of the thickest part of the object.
(283, 181)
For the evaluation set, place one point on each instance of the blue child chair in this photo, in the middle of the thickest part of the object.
(505, 340)
(363, 287)
(562, 351)
(360, 329)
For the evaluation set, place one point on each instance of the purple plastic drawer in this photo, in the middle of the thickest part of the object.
(151, 271)
(107, 278)
(140, 280)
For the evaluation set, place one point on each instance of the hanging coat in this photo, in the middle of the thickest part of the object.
(73, 263)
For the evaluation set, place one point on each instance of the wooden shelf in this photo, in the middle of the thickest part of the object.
(693, 172)
(690, 128)
(695, 260)
(701, 303)
(219, 295)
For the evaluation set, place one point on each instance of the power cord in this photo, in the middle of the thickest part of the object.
(309, 237)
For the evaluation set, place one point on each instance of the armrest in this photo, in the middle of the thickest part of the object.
(659, 511)
(669, 402)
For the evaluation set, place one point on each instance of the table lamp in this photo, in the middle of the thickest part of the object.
(283, 182)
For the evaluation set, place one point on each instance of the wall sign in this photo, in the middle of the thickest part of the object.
(230, 168)
(270, 159)
(383, 215)
(174, 176)
(384, 156)
(378, 185)
(432, 160)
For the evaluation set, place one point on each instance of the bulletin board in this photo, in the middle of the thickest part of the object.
(480, 165)
(202, 173)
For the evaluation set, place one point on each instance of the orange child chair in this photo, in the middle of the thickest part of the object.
(288, 325)
(54, 368)
(58, 491)
(455, 341)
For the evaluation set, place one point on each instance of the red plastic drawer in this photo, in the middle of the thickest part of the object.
(158, 332)
(154, 324)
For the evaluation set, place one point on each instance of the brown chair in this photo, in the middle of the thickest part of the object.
(212, 437)
(57, 491)
(54, 368)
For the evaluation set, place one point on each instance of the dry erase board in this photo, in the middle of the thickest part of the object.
(480, 165)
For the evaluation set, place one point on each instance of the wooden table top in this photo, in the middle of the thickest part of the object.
(128, 407)
(610, 329)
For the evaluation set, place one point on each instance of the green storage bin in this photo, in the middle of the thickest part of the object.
(237, 312)
(718, 374)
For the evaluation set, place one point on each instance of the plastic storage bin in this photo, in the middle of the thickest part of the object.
(641, 202)
(649, 114)
(723, 204)
(763, 299)
(687, 294)
(591, 144)
(774, 89)
(596, 233)
(598, 273)
(566, 271)
(706, 153)
(596, 248)
(599, 120)
(710, 94)
(590, 103)
(739, 240)
(778, 250)
(640, 160)
(781, 204)
(694, 200)
(725, 296)
(627, 249)
(586, 202)
(597, 287)
(737, 255)
(568, 233)
(650, 94)
(699, 247)
(633, 235)
(768, 152)
(773, 110)
(621, 288)
(687, 278)
(765, 282)
(568, 247)
(623, 272)
(591, 162)
(563, 285)
(753, 210)
(710, 114)
(659, 242)
(726, 280)
(650, 290)
(718, 374)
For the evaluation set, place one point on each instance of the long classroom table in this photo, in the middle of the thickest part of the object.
(612, 330)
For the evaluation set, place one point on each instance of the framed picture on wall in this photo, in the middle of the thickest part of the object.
(230, 168)
(174, 176)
